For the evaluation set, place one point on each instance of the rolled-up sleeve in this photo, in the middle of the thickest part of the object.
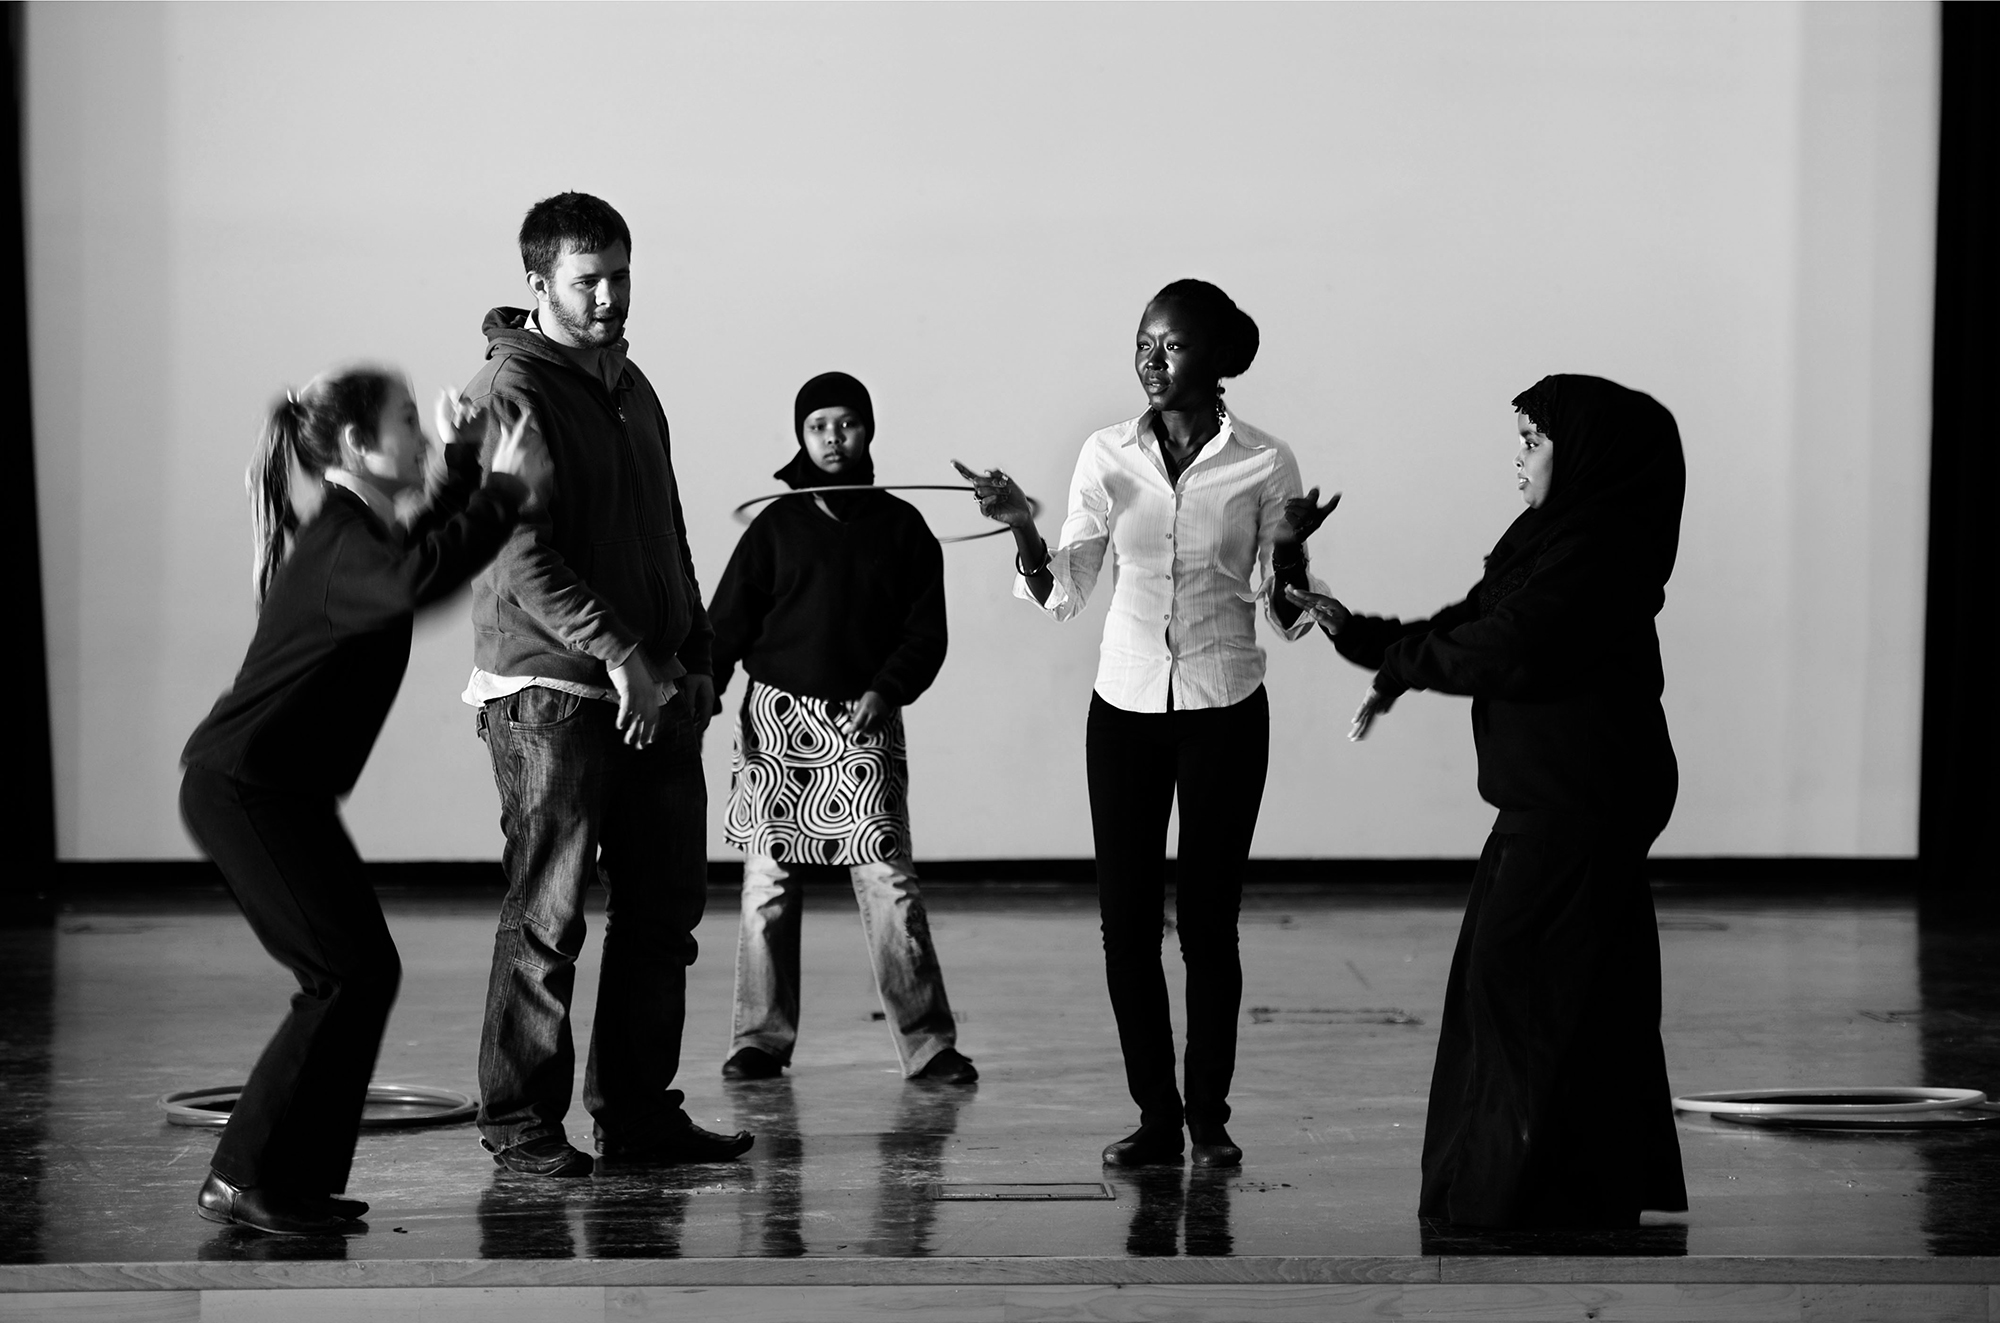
(1078, 556)
(1281, 485)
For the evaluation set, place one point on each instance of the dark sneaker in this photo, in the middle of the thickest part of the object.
(948, 1067)
(676, 1144)
(752, 1063)
(544, 1155)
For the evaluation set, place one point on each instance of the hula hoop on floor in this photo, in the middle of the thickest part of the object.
(1960, 1118)
(1829, 1102)
(389, 1107)
(743, 517)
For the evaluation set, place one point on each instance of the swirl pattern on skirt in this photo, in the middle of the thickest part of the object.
(802, 788)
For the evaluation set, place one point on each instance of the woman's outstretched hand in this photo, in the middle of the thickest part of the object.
(1372, 706)
(1325, 611)
(1304, 515)
(1000, 497)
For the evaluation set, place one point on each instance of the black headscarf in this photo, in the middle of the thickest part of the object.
(1619, 479)
(826, 391)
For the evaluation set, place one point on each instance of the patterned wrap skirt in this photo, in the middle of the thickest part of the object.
(803, 789)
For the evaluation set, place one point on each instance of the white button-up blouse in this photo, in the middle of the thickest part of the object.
(1182, 600)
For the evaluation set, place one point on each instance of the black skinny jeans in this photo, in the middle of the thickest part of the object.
(1214, 759)
(299, 882)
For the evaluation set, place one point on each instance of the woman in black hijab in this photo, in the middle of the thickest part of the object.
(1549, 1103)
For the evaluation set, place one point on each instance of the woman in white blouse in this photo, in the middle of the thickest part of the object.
(1205, 516)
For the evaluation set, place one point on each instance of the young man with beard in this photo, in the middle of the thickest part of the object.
(592, 677)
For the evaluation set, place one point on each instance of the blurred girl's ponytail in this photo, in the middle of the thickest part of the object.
(301, 439)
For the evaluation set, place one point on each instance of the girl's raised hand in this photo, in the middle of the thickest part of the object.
(521, 452)
(1000, 497)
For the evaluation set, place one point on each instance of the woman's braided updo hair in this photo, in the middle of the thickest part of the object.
(1232, 334)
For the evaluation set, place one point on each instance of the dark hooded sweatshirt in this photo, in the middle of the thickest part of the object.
(606, 565)
(1556, 643)
(834, 607)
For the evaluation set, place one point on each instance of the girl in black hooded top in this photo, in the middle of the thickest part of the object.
(1553, 1005)
(834, 604)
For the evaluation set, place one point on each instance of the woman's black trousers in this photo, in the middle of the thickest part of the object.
(1213, 760)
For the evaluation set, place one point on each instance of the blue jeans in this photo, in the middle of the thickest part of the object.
(577, 804)
(898, 934)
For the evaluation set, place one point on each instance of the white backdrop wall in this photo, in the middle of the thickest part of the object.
(1426, 207)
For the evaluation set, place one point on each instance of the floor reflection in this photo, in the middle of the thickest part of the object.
(27, 990)
(1956, 939)
(526, 1217)
(771, 1219)
(1176, 1211)
(911, 1154)
(1669, 1240)
(647, 1226)
(239, 1244)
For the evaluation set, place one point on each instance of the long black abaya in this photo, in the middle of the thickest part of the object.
(1549, 1102)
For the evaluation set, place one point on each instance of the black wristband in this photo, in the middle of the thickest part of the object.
(1027, 573)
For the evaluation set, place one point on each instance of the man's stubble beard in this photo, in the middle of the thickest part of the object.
(585, 329)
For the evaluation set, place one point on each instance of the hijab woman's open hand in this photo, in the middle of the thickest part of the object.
(1326, 612)
(1372, 706)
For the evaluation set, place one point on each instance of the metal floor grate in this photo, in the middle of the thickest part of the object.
(1029, 1191)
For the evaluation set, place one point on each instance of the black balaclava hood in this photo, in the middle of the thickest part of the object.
(826, 391)
(1619, 480)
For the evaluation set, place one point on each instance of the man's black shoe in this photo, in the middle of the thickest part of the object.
(752, 1063)
(948, 1067)
(1213, 1147)
(1147, 1146)
(545, 1155)
(676, 1144)
(353, 1210)
(263, 1210)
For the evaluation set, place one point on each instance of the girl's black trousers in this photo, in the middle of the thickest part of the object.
(299, 882)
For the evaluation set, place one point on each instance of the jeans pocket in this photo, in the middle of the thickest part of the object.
(538, 707)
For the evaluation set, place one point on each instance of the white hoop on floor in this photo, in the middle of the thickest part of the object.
(1034, 506)
(389, 1106)
(1829, 1102)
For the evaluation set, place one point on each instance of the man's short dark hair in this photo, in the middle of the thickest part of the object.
(569, 222)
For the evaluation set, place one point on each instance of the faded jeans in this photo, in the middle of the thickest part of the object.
(899, 949)
(578, 805)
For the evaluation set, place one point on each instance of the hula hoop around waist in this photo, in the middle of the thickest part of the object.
(743, 517)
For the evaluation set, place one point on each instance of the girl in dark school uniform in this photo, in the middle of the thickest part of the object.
(336, 593)
(834, 605)
(1549, 1103)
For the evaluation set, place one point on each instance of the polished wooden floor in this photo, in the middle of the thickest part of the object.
(853, 1185)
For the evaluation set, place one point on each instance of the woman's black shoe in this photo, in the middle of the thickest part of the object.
(263, 1210)
(1147, 1146)
(752, 1063)
(1213, 1147)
